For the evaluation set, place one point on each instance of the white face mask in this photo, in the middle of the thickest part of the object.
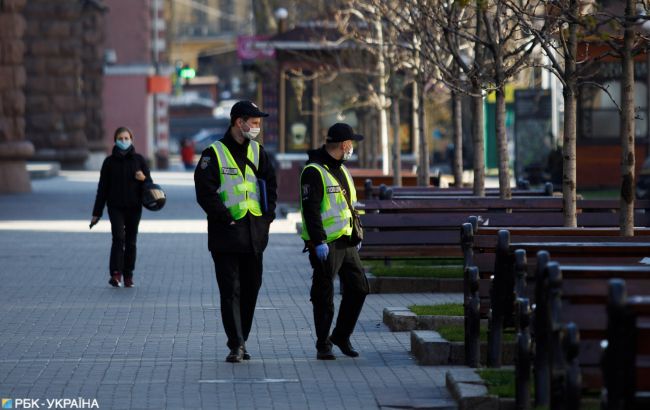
(348, 154)
(251, 134)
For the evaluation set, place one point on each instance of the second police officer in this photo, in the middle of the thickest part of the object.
(239, 212)
(327, 206)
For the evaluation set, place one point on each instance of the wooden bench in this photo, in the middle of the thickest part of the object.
(570, 322)
(429, 228)
(626, 358)
(416, 192)
(493, 264)
(361, 175)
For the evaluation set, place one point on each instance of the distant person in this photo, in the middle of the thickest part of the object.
(240, 210)
(327, 206)
(120, 187)
(187, 153)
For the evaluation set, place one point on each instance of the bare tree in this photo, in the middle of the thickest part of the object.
(450, 50)
(501, 50)
(614, 26)
(627, 123)
(558, 37)
(624, 41)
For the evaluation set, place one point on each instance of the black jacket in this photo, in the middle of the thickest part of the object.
(117, 186)
(311, 186)
(249, 234)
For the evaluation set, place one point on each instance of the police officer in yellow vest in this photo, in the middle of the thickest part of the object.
(327, 192)
(239, 215)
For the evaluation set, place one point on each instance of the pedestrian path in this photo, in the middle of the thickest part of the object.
(67, 334)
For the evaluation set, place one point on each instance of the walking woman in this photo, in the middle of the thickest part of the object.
(123, 176)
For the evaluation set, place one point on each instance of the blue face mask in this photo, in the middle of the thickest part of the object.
(123, 145)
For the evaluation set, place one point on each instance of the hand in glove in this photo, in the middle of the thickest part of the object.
(358, 246)
(322, 251)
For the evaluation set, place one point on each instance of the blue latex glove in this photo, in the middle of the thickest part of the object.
(358, 246)
(322, 251)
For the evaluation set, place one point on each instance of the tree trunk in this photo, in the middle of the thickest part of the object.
(478, 136)
(502, 144)
(569, 182)
(397, 157)
(457, 121)
(627, 128)
(415, 103)
(423, 168)
(383, 109)
(373, 159)
(478, 163)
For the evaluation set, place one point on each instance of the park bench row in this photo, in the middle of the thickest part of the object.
(419, 192)
(500, 256)
(585, 336)
(569, 295)
(425, 227)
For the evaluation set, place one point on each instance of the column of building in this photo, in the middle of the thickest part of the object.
(14, 148)
(55, 112)
(92, 57)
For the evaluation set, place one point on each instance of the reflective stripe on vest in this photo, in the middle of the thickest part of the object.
(238, 193)
(334, 211)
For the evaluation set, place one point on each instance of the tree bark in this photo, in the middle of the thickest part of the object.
(478, 136)
(479, 141)
(415, 103)
(627, 128)
(423, 169)
(383, 109)
(569, 182)
(457, 121)
(397, 157)
(502, 144)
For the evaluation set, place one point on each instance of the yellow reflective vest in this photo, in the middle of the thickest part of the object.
(334, 210)
(238, 192)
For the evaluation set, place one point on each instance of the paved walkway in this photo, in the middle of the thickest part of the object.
(67, 334)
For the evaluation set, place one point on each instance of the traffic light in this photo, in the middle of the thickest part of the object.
(187, 72)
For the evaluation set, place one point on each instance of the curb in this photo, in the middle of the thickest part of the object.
(42, 170)
(429, 348)
(401, 319)
(387, 284)
(470, 392)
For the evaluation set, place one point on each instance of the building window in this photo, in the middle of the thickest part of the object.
(298, 125)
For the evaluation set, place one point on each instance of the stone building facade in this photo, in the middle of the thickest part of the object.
(63, 62)
(14, 148)
(51, 75)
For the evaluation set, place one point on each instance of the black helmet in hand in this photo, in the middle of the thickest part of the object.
(153, 197)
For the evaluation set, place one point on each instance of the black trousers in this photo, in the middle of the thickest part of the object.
(343, 260)
(239, 276)
(124, 227)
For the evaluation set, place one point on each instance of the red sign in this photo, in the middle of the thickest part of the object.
(159, 84)
(254, 48)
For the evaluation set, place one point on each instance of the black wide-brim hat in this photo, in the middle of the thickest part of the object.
(340, 132)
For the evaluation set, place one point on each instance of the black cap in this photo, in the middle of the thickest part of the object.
(340, 132)
(246, 109)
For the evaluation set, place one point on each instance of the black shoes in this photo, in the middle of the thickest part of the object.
(246, 355)
(325, 354)
(236, 355)
(115, 279)
(128, 281)
(345, 346)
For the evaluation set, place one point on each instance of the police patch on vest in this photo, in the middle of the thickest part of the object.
(204, 162)
(333, 189)
(228, 171)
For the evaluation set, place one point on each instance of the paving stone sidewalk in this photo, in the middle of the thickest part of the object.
(67, 334)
